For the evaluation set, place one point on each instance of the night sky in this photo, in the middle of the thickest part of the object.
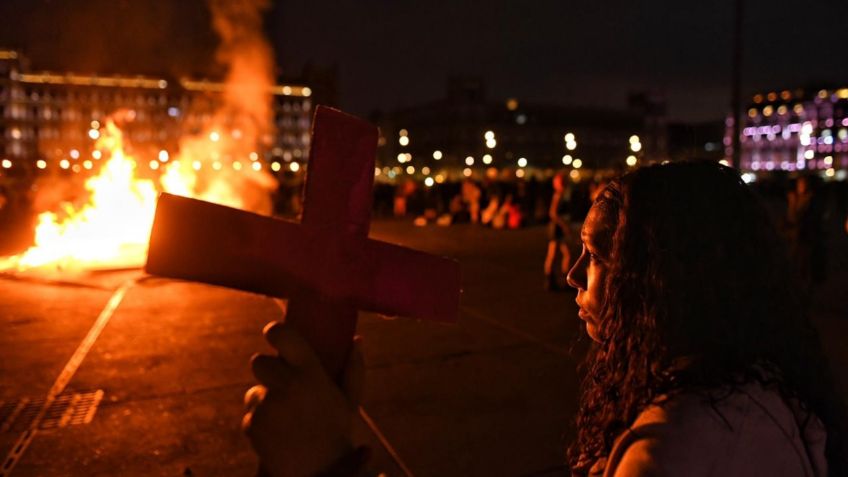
(397, 53)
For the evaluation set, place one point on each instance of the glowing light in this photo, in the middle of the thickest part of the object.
(749, 177)
(571, 145)
(173, 112)
(437, 155)
(636, 147)
(403, 133)
(217, 165)
(798, 108)
(76, 168)
(294, 167)
(522, 162)
(577, 163)
(403, 140)
(469, 161)
(154, 165)
(87, 164)
(782, 109)
(466, 172)
(401, 158)
(64, 164)
(830, 172)
(257, 166)
(828, 160)
(569, 137)
(631, 161)
(566, 159)
(489, 135)
(809, 154)
(752, 113)
(440, 178)
(512, 104)
(425, 170)
(519, 173)
(634, 139)
(487, 159)
(214, 136)
(7, 164)
(768, 110)
(822, 94)
(96, 154)
(253, 156)
(306, 91)
(164, 156)
(758, 98)
(74, 154)
(237, 165)
(491, 143)
(94, 134)
(429, 182)
(16, 133)
(574, 174)
(41, 164)
(410, 170)
(196, 165)
(275, 166)
(377, 171)
(724, 162)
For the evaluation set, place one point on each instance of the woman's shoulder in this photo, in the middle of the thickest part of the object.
(749, 431)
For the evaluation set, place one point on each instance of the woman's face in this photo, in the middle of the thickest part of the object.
(589, 273)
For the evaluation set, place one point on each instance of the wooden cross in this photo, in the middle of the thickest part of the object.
(326, 265)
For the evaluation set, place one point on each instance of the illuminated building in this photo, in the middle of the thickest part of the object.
(793, 130)
(467, 130)
(47, 118)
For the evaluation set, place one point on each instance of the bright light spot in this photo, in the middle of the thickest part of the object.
(752, 113)
(41, 164)
(569, 137)
(571, 145)
(87, 164)
(489, 135)
(440, 178)
(574, 174)
(512, 104)
(214, 136)
(828, 160)
(636, 147)
(74, 154)
(809, 154)
(410, 170)
(16, 133)
(425, 170)
(823, 94)
(307, 91)
(807, 128)
(154, 165)
(781, 110)
(287, 91)
(173, 112)
(749, 177)
(577, 163)
(275, 166)
(724, 162)
(196, 165)
(76, 168)
(798, 108)
(64, 164)
(294, 167)
(634, 139)
(93, 133)
(519, 173)
(7, 164)
(830, 172)
(466, 172)
(522, 162)
(254, 156)
(631, 161)
(404, 140)
(96, 154)
(491, 143)
(401, 158)
(217, 165)
(566, 159)
(403, 133)
(437, 155)
(257, 166)
(469, 161)
(95, 124)
(377, 170)
(487, 159)
(521, 119)
(164, 156)
(768, 110)
(429, 182)
(237, 165)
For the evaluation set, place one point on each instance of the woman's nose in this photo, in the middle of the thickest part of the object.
(576, 277)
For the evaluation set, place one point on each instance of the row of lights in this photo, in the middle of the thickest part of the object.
(155, 165)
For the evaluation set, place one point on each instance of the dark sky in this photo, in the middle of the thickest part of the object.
(393, 53)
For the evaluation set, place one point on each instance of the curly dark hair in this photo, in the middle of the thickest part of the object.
(697, 269)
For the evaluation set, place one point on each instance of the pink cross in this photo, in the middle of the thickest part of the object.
(326, 265)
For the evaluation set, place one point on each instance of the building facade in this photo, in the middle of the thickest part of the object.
(795, 130)
(50, 121)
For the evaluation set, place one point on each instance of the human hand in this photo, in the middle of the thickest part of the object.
(297, 419)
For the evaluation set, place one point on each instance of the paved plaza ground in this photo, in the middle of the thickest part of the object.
(493, 395)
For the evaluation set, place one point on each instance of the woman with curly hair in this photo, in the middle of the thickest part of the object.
(704, 361)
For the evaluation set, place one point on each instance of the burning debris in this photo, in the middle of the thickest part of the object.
(217, 162)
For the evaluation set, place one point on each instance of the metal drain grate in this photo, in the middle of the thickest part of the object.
(69, 408)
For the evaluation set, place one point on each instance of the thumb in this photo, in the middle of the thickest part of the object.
(353, 380)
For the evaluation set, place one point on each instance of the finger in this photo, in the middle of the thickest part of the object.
(253, 397)
(290, 345)
(353, 380)
(271, 371)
